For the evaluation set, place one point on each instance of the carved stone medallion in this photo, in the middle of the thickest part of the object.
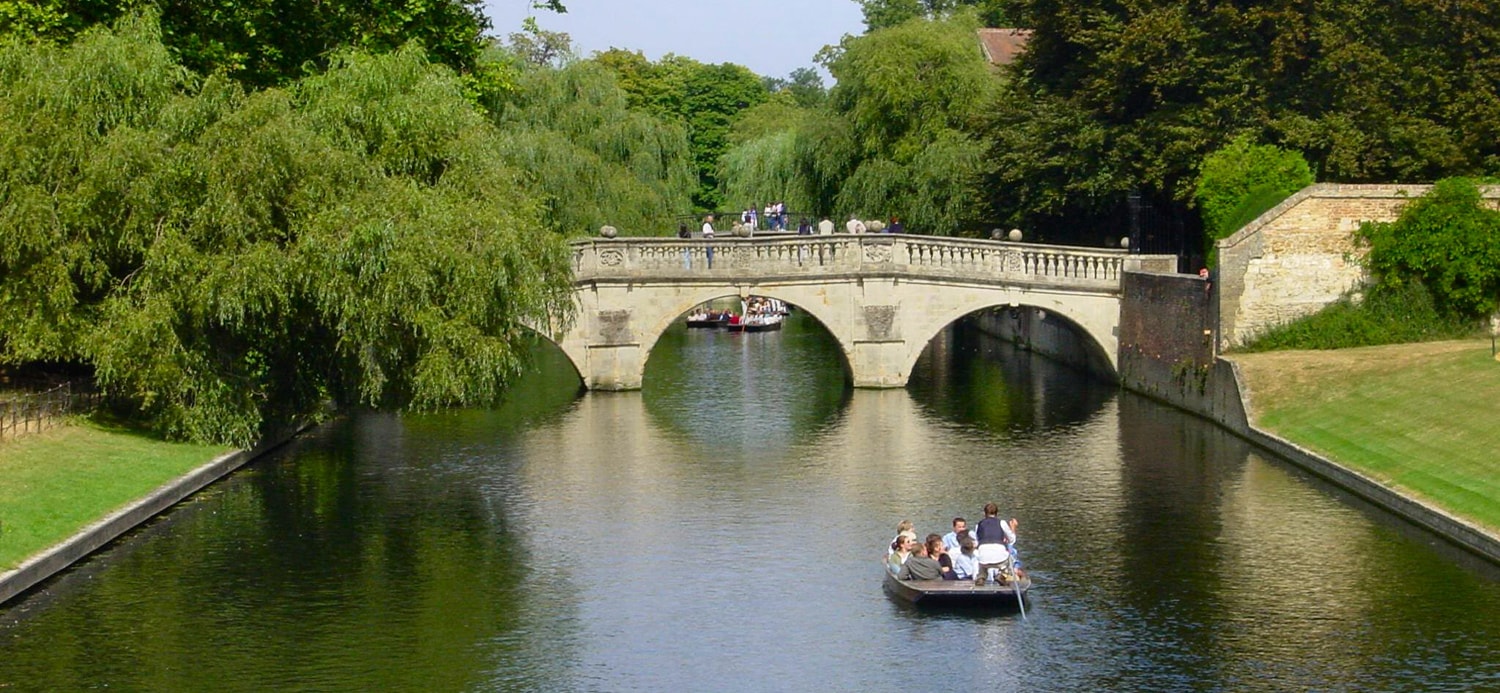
(1011, 262)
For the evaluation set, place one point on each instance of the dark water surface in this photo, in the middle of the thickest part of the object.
(722, 530)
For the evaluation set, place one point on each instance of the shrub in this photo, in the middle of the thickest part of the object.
(1449, 241)
(1389, 314)
(1241, 181)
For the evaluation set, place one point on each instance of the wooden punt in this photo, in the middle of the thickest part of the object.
(957, 593)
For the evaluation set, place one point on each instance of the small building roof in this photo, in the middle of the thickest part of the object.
(1001, 46)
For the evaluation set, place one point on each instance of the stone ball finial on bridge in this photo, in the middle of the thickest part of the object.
(608, 231)
(1014, 235)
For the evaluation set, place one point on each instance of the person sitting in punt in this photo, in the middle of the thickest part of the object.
(920, 566)
(965, 563)
(960, 530)
(1015, 558)
(904, 528)
(900, 554)
(936, 551)
(734, 319)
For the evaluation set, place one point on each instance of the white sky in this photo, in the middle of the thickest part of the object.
(771, 37)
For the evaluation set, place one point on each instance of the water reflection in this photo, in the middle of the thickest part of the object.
(724, 532)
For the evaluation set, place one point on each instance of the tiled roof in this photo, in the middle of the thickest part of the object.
(1001, 46)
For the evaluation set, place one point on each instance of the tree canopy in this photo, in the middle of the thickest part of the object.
(1111, 98)
(705, 98)
(589, 156)
(227, 259)
(896, 136)
(268, 42)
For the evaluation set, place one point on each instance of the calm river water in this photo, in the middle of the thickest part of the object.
(723, 530)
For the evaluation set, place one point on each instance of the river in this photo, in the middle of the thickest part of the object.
(723, 530)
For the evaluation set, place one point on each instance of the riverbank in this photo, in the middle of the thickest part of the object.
(1418, 418)
(55, 483)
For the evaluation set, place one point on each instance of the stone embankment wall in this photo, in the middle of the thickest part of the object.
(1300, 256)
(1167, 340)
(1167, 353)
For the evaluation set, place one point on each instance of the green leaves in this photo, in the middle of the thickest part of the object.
(1242, 180)
(227, 260)
(1449, 240)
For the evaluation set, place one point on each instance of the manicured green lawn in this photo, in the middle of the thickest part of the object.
(54, 483)
(1422, 418)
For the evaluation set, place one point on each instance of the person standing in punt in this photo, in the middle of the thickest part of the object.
(993, 549)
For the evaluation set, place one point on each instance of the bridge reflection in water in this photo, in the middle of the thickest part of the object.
(598, 543)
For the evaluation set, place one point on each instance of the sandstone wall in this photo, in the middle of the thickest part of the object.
(1301, 255)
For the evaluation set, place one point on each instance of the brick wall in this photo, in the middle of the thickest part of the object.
(1166, 339)
(1301, 255)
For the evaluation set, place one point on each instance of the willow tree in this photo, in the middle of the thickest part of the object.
(913, 97)
(225, 260)
(593, 159)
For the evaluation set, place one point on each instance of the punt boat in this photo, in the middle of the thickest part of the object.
(956, 592)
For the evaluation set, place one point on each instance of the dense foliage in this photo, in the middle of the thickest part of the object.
(1112, 98)
(704, 98)
(266, 42)
(226, 259)
(884, 14)
(896, 137)
(592, 159)
(1448, 240)
(1242, 180)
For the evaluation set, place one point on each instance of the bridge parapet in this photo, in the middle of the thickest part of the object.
(954, 259)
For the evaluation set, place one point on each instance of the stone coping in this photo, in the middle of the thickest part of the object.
(1336, 191)
(39, 568)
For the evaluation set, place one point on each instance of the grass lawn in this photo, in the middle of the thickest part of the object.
(1423, 418)
(54, 483)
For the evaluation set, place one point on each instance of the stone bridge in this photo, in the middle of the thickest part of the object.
(882, 296)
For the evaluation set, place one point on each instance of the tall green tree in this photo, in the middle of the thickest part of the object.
(706, 98)
(1367, 90)
(913, 97)
(225, 260)
(1241, 180)
(590, 157)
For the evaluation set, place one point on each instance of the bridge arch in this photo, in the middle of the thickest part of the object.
(657, 324)
(1098, 339)
(883, 297)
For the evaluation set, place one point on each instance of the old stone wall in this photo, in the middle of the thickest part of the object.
(1166, 338)
(1301, 255)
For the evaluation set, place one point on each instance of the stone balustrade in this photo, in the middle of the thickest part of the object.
(823, 257)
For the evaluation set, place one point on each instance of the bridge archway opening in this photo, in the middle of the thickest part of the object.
(804, 333)
(1030, 328)
(546, 367)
